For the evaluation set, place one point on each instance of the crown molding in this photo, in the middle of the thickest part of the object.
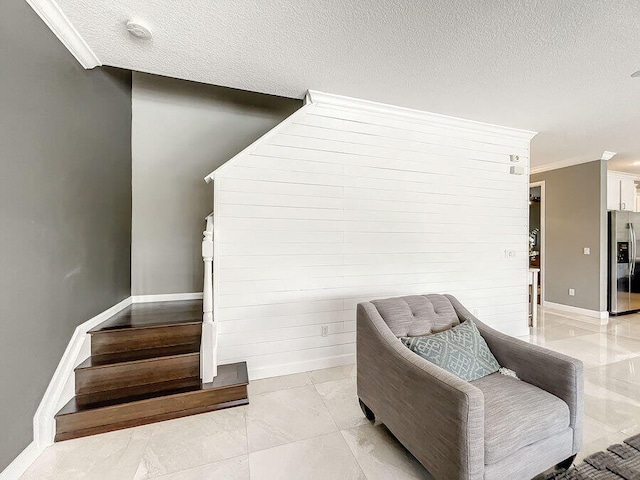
(561, 164)
(49, 11)
(315, 97)
(635, 176)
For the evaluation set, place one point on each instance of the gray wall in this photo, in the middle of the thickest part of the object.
(575, 206)
(182, 131)
(65, 208)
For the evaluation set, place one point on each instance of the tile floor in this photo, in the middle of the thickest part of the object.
(309, 425)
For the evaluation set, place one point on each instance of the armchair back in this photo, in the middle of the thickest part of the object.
(417, 315)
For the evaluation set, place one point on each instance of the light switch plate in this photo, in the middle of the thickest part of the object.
(587, 251)
(572, 292)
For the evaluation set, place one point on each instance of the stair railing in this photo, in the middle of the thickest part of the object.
(209, 342)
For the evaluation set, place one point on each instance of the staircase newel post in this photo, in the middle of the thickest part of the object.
(208, 364)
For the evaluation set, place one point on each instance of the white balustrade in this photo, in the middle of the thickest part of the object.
(209, 343)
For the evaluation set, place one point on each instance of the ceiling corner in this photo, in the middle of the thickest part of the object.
(49, 11)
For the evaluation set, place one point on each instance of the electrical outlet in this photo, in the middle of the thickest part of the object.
(514, 158)
(572, 292)
(325, 330)
(587, 251)
(509, 254)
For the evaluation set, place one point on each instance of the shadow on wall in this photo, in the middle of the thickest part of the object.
(65, 205)
(181, 132)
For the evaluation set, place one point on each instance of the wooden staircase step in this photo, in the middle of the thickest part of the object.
(102, 397)
(117, 376)
(105, 342)
(227, 390)
(141, 315)
(134, 355)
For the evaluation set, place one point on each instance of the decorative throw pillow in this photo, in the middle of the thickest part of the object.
(460, 350)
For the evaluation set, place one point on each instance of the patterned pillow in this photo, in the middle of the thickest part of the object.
(460, 350)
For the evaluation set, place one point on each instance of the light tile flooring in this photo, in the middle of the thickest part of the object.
(309, 425)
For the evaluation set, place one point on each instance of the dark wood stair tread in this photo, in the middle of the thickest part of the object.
(130, 393)
(232, 374)
(144, 368)
(118, 376)
(228, 389)
(109, 342)
(144, 315)
(148, 354)
(74, 407)
(161, 417)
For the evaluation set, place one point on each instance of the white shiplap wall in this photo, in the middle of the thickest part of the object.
(348, 201)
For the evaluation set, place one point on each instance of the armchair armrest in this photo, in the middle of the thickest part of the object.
(436, 415)
(558, 374)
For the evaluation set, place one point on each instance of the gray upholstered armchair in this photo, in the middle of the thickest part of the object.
(497, 427)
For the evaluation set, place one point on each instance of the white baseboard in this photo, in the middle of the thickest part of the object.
(20, 464)
(55, 396)
(590, 316)
(57, 393)
(300, 367)
(166, 297)
(61, 387)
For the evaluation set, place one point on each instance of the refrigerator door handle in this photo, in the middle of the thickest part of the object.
(632, 256)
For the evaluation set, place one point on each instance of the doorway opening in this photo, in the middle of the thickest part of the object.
(536, 246)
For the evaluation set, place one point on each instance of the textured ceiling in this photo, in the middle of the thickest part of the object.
(562, 68)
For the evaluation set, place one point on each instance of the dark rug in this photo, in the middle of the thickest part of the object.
(620, 461)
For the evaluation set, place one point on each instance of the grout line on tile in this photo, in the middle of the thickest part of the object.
(166, 475)
(326, 407)
(352, 452)
(246, 436)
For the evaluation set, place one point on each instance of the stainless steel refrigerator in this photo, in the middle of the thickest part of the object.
(624, 263)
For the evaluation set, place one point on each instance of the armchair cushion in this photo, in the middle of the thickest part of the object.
(460, 350)
(417, 315)
(517, 414)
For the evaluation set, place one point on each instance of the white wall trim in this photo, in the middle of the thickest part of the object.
(49, 11)
(166, 297)
(54, 397)
(600, 318)
(561, 164)
(52, 401)
(315, 97)
(20, 464)
(635, 176)
(302, 366)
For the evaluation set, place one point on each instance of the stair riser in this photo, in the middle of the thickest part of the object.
(158, 388)
(108, 342)
(111, 378)
(127, 415)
